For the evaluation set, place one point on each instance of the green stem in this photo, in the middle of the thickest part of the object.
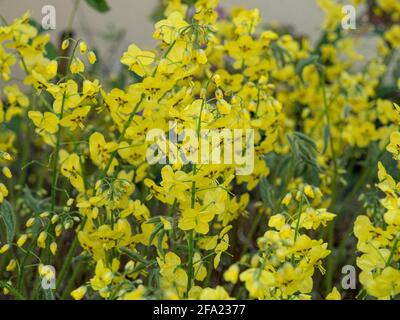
(14, 291)
(71, 281)
(331, 228)
(190, 262)
(392, 251)
(55, 162)
(121, 137)
(67, 263)
(70, 255)
(72, 16)
(296, 233)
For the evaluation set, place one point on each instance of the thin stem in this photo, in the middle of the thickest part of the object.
(331, 228)
(70, 255)
(55, 162)
(72, 15)
(392, 251)
(14, 291)
(121, 137)
(71, 281)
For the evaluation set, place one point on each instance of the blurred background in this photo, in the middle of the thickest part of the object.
(132, 18)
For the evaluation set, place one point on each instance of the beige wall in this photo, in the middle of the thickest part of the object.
(133, 16)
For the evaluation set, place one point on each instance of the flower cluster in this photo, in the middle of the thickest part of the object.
(378, 235)
(117, 223)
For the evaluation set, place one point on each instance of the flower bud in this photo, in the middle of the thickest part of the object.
(4, 248)
(82, 47)
(65, 44)
(7, 172)
(92, 57)
(21, 240)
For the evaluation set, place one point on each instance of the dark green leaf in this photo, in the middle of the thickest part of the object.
(133, 255)
(306, 139)
(153, 234)
(153, 220)
(48, 294)
(160, 241)
(30, 200)
(312, 59)
(327, 137)
(8, 217)
(266, 193)
(51, 51)
(99, 5)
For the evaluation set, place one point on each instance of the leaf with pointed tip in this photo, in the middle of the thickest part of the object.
(312, 59)
(8, 217)
(99, 5)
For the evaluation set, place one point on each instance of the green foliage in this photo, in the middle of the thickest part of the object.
(99, 5)
(7, 214)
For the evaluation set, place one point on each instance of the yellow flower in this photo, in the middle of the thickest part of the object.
(137, 60)
(77, 66)
(136, 294)
(21, 240)
(168, 29)
(92, 57)
(5, 156)
(65, 44)
(71, 169)
(15, 96)
(201, 56)
(7, 172)
(3, 192)
(393, 36)
(47, 122)
(244, 50)
(195, 219)
(41, 241)
(79, 293)
(167, 225)
(205, 11)
(11, 265)
(384, 285)
(333, 295)
(29, 223)
(232, 274)
(219, 293)
(7, 60)
(172, 274)
(75, 118)
(53, 248)
(4, 248)
(100, 151)
(277, 221)
(82, 47)
(394, 146)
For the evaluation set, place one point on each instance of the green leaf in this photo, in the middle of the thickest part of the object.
(327, 136)
(13, 291)
(266, 193)
(51, 51)
(278, 54)
(133, 255)
(139, 267)
(153, 234)
(312, 59)
(306, 139)
(8, 217)
(99, 5)
(153, 220)
(160, 241)
(30, 200)
(48, 294)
